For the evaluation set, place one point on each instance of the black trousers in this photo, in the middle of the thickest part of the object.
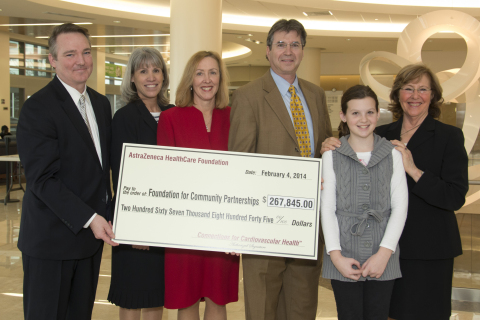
(60, 289)
(362, 300)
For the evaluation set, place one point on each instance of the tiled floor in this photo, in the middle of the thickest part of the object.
(11, 272)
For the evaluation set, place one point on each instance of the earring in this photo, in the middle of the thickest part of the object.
(191, 88)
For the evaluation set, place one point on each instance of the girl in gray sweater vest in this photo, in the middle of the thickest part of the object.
(364, 207)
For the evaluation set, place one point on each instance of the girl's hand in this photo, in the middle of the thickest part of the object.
(233, 253)
(140, 247)
(376, 264)
(410, 167)
(345, 265)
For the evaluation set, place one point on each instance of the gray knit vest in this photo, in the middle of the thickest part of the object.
(363, 206)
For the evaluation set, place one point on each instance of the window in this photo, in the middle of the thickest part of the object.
(17, 98)
(114, 73)
(29, 60)
(116, 102)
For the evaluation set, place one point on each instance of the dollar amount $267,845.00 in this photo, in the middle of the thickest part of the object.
(289, 202)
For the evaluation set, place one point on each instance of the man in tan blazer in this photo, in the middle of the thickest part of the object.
(261, 122)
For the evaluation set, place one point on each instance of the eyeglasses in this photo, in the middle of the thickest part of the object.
(421, 91)
(293, 46)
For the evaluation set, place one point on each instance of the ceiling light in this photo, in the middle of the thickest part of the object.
(67, 15)
(130, 45)
(376, 19)
(13, 294)
(317, 13)
(164, 11)
(134, 6)
(39, 24)
(119, 36)
(116, 21)
(305, 14)
(132, 36)
(231, 54)
(317, 25)
(330, 13)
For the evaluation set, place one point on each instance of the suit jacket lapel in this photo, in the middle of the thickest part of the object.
(274, 99)
(100, 117)
(423, 133)
(310, 98)
(146, 115)
(74, 115)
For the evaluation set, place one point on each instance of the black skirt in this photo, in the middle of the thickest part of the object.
(424, 291)
(137, 277)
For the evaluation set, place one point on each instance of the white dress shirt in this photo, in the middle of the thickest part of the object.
(92, 121)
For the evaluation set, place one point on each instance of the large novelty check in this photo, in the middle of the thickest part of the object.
(218, 201)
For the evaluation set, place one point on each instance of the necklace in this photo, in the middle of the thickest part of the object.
(401, 134)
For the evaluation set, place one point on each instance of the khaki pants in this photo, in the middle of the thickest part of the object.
(281, 288)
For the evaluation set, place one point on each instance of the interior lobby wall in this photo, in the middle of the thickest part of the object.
(30, 84)
(243, 75)
(348, 63)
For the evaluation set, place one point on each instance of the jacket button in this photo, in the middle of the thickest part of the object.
(366, 187)
(365, 206)
(364, 171)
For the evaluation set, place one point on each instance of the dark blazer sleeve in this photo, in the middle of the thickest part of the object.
(431, 230)
(447, 190)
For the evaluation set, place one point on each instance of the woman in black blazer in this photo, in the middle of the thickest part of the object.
(138, 271)
(436, 164)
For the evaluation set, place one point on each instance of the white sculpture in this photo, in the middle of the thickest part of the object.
(409, 49)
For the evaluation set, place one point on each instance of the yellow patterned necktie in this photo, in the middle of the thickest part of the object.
(300, 124)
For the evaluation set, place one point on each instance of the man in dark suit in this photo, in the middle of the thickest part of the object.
(63, 140)
(264, 120)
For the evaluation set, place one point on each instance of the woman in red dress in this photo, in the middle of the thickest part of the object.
(200, 120)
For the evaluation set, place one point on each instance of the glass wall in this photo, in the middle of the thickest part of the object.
(114, 72)
(116, 102)
(17, 98)
(28, 59)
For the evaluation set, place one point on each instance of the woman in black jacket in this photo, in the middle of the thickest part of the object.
(137, 284)
(436, 164)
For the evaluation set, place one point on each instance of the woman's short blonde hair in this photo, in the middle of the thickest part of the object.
(141, 58)
(413, 73)
(184, 95)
